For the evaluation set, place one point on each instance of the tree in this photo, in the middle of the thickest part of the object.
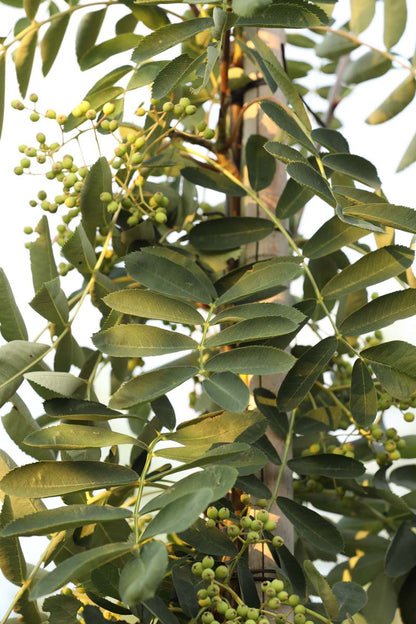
(169, 274)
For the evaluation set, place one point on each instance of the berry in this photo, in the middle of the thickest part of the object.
(409, 417)
(262, 515)
(25, 163)
(140, 112)
(83, 172)
(18, 170)
(91, 113)
(201, 126)
(167, 107)
(274, 603)
(105, 125)
(299, 618)
(178, 110)
(242, 610)
(233, 531)
(208, 574)
(257, 525)
(212, 512)
(190, 110)
(28, 230)
(136, 159)
(245, 522)
(252, 537)
(197, 568)
(208, 562)
(230, 614)
(34, 116)
(30, 151)
(50, 114)
(293, 600)
(253, 613)
(277, 543)
(209, 134)
(18, 105)
(69, 180)
(213, 589)
(283, 595)
(61, 119)
(278, 585)
(207, 617)
(108, 108)
(133, 220)
(184, 101)
(223, 513)
(139, 142)
(221, 572)
(300, 609)
(33, 97)
(269, 525)
(211, 523)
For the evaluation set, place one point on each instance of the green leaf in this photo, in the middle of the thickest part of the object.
(145, 74)
(381, 312)
(404, 476)
(395, 18)
(149, 386)
(180, 514)
(397, 354)
(322, 589)
(362, 13)
(285, 121)
(220, 479)
(79, 252)
(51, 42)
(107, 49)
(363, 398)
(293, 199)
(50, 302)
(2, 88)
(96, 101)
(331, 139)
(74, 409)
(12, 325)
(328, 465)
(109, 79)
(262, 276)
(333, 46)
(88, 30)
(303, 15)
(170, 273)
(409, 156)
(350, 597)
(42, 261)
(168, 36)
(31, 8)
(254, 360)
(373, 268)
(355, 166)
(381, 600)
(307, 176)
(330, 237)
(260, 165)
(152, 16)
(191, 455)
(161, 612)
(172, 74)
(78, 566)
(16, 357)
(45, 479)
(141, 341)
(209, 429)
(311, 526)
(212, 180)
(284, 153)
(12, 561)
(395, 102)
(370, 65)
(252, 329)
(23, 59)
(247, 311)
(142, 575)
(395, 383)
(305, 372)
(229, 232)
(164, 412)
(57, 384)
(62, 518)
(93, 210)
(211, 57)
(227, 390)
(63, 609)
(209, 541)
(407, 598)
(389, 215)
(18, 423)
(66, 436)
(147, 304)
(401, 553)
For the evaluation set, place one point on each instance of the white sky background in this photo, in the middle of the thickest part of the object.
(65, 86)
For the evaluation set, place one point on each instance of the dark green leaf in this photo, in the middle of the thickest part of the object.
(161, 612)
(223, 453)
(395, 18)
(12, 325)
(80, 410)
(363, 398)
(23, 59)
(305, 372)
(77, 566)
(397, 354)
(227, 390)
(395, 383)
(381, 600)
(248, 588)
(170, 273)
(369, 65)
(18, 423)
(168, 36)
(107, 49)
(328, 465)
(284, 153)
(142, 575)
(229, 233)
(17, 357)
(261, 166)
(389, 215)
(330, 237)
(355, 166)
(307, 176)
(404, 476)
(284, 120)
(88, 30)
(12, 561)
(180, 514)
(149, 386)
(407, 598)
(67, 436)
(141, 341)
(164, 412)
(373, 268)
(56, 384)
(209, 541)
(93, 210)
(62, 518)
(56, 478)
(350, 597)
(395, 102)
(311, 526)
(401, 553)
(212, 180)
(285, 16)
(41, 256)
(185, 583)
(51, 42)
(252, 329)
(79, 252)
(381, 312)
(50, 302)
(331, 139)
(63, 609)
(294, 198)
(247, 311)
(254, 360)
(266, 402)
(172, 74)
(322, 589)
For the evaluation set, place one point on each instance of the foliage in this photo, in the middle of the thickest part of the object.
(168, 276)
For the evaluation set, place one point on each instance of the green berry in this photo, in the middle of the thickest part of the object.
(22, 148)
(70, 202)
(278, 585)
(50, 114)
(224, 512)
(45, 205)
(208, 562)
(211, 523)
(69, 180)
(201, 126)
(31, 152)
(139, 142)
(83, 172)
(42, 195)
(209, 134)
(283, 595)
(221, 572)
(278, 541)
(212, 512)
(184, 101)
(178, 110)
(280, 618)
(136, 159)
(25, 163)
(18, 105)
(33, 97)
(300, 609)
(253, 613)
(409, 417)
(91, 113)
(28, 230)
(18, 170)
(40, 137)
(262, 515)
(190, 110)
(197, 568)
(299, 618)
(230, 614)
(105, 125)
(293, 600)
(208, 575)
(245, 522)
(108, 108)
(242, 610)
(257, 525)
(140, 112)
(167, 107)
(233, 531)
(106, 197)
(34, 116)
(269, 525)
(61, 228)
(252, 537)
(207, 617)
(274, 603)
(213, 589)
(133, 220)
(61, 119)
